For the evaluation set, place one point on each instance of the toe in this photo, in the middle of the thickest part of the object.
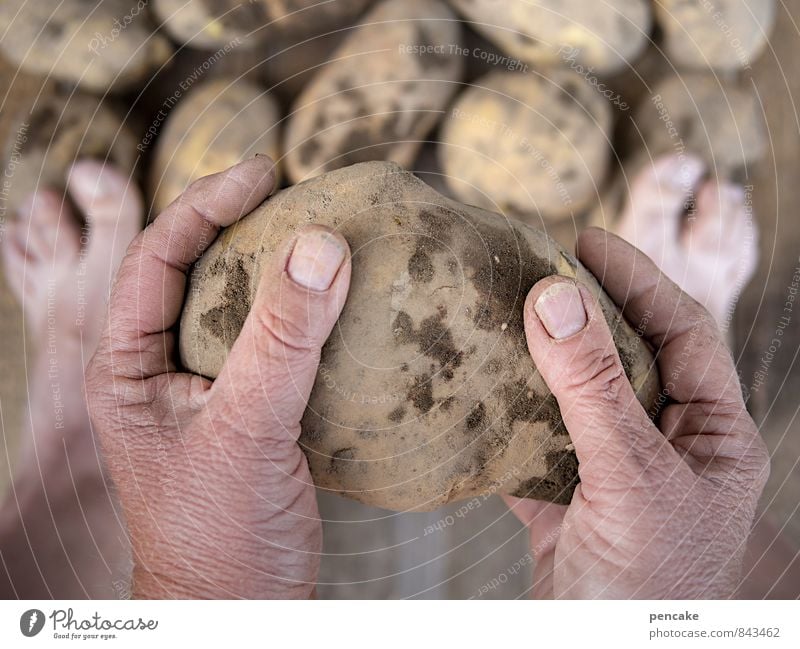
(721, 239)
(48, 227)
(43, 238)
(113, 207)
(711, 216)
(657, 204)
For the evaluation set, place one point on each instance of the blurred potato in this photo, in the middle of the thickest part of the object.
(536, 146)
(722, 35)
(100, 46)
(382, 92)
(218, 124)
(210, 24)
(603, 35)
(62, 127)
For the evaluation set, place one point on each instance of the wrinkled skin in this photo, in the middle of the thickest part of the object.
(216, 491)
(661, 512)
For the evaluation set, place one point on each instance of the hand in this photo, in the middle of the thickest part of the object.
(215, 489)
(659, 513)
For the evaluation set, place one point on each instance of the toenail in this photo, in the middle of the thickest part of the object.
(733, 193)
(93, 181)
(685, 173)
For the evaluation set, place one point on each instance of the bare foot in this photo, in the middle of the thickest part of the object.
(60, 535)
(700, 232)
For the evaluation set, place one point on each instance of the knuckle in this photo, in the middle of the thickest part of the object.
(280, 337)
(598, 373)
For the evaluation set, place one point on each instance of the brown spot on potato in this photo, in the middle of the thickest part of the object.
(421, 393)
(522, 404)
(558, 484)
(226, 320)
(342, 460)
(433, 339)
(477, 417)
(502, 286)
(420, 266)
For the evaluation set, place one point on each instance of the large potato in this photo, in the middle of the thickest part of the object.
(528, 144)
(426, 391)
(211, 24)
(718, 34)
(43, 145)
(605, 36)
(218, 124)
(380, 95)
(699, 113)
(100, 46)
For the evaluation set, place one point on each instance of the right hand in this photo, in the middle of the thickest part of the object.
(660, 512)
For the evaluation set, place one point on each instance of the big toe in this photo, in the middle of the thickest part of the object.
(659, 196)
(722, 238)
(113, 207)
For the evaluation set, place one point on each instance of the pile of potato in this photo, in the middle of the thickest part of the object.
(534, 109)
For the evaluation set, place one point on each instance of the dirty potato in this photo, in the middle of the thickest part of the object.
(604, 36)
(722, 35)
(218, 124)
(43, 145)
(529, 145)
(210, 24)
(101, 46)
(426, 392)
(382, 93)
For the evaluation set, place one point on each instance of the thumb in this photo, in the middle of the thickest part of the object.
(268, 376)
(572, 347)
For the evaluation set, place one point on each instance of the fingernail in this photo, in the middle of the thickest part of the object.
(315, 260)
(94, 181)
(560, 310)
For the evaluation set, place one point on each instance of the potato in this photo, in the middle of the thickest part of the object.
(63, 127)
(211, 24)
(218, 124)
(527, 144)
(101, 46)
(381, 95)
(602, 35)
(698, 113)
(426, 392)
(719, 34)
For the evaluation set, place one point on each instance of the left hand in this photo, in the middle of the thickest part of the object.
(216, 492)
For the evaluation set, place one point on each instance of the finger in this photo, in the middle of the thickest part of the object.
(693, 360)
(148, 295)
(268, 376)
(573, 349)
